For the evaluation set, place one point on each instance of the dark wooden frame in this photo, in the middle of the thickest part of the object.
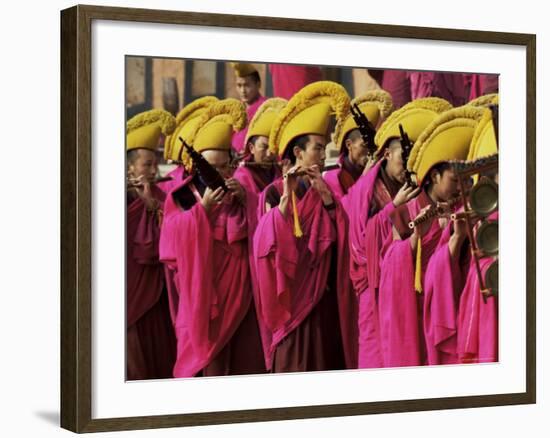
(76, 177)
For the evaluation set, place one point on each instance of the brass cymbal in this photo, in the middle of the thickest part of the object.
(484, 197)
(491, 278)
(487, 237)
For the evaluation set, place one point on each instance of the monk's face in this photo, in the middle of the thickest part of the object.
(260, 149)
(395, 167)
(220, 160)
(314, 152)
(357, 151)
(248, 89)
(445, 184)
(144, 163)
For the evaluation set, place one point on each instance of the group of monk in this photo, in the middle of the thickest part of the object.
(290, 267)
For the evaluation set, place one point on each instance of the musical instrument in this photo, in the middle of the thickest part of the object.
(208, 173)
(440, 210)
(406, 147)
(136, 184)
(366, 129)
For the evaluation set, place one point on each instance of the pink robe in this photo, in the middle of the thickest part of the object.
(477, 320)
(239, 137)
(178, 174)
(292, 276)
(150, 337)
(443, 284)
(400, 306)
(370, 234)
(288, 79)
(209, 254)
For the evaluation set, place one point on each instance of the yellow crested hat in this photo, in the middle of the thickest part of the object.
(265, 116)
(186, 121)
(447, 138)
(214, 128)
(485, 100)
(308, 112)
(144, 129)
(243, 69)
(415, 116)
(375, 104)
(484, 142)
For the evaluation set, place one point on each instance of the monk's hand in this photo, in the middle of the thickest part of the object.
(405, 194)
(236, 189)
(371, 161)
(319, 184)
(422, 228)
(143, 188)
(212, 198)
(290, 181)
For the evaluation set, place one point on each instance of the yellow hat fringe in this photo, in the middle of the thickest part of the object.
(435, 104)
(188, 112)
(381, 98)
(462, 116)
(165, 120)
(322, 91)
(230, 111)
(485, 100)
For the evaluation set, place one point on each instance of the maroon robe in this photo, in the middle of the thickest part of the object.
(150, 336)
(216, 328)
(254, 180)
(298, 282)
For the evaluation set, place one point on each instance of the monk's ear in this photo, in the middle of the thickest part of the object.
(250, 146)
(297, 151)
(387, 153)
(348, 144)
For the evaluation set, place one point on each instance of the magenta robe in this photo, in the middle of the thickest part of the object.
(444, 281)
(239, 137)
(293, 274)
(209, 254)
(370, 234)
(288, 79)
(178, 175)
(477, 320)
(150, 337)
(400, 306)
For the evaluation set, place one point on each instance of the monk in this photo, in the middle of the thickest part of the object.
(248, 84)
(256, 171)
(297, 239)
(403, 269)
(372, 199)
(204, 239)
(150, 337)
(150, 341)
(354, 152)
(299, 305)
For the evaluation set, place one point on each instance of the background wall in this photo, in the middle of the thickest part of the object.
(29, 321)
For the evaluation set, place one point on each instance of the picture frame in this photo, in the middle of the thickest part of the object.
(77, 226)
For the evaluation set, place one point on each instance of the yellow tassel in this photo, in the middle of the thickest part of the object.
(297, 228)
(418, 267)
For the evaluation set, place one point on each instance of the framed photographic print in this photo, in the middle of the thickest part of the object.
(130, 78)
